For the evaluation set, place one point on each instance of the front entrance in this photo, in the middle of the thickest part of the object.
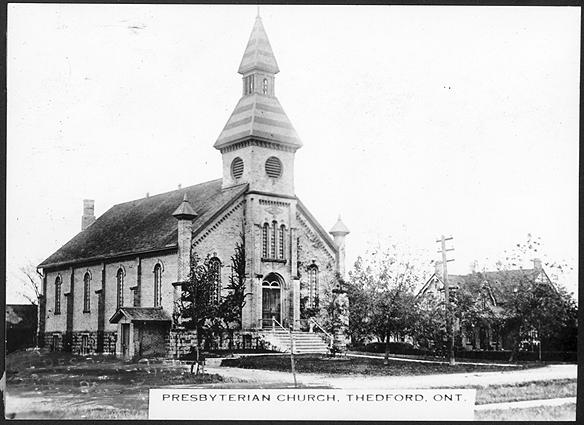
(271, 287)
(125, 340)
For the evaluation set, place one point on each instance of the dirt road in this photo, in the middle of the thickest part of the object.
(386, 382)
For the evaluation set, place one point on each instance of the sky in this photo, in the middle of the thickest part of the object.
(416, 121)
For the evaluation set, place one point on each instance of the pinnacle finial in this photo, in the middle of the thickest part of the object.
(258, 11)
(185, 210)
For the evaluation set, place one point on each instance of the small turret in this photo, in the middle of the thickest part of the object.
(185, 214)
(339, 231)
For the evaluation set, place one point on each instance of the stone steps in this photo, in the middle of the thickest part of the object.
(304, 342)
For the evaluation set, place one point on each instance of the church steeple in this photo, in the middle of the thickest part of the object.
(258, 55)
(258, 142)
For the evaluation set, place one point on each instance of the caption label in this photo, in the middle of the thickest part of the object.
(311, 404)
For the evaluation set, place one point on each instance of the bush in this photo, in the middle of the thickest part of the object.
(503, 355)
(394, 348)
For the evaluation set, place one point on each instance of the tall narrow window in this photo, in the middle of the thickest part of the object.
(265, 241)
(58, 295)
(313, 286)
(281, 242)
(120, 287)
(215, 271)
(273, 240)
(86, 293)
(265, 86)
(157, 285)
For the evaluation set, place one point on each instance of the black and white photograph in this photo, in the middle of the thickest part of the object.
(292, 212)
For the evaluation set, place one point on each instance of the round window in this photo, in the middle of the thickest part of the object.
(273, 167)
(237, 168)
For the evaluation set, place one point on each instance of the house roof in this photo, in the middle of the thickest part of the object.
(21, 316)
(143, 225)
(500, 283)
(142, 314)
(258, 53)
(261, 117)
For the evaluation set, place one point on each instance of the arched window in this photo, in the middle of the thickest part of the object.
(265, 86)
(281, 242)
(273, 241)
(265, 242)
(215, 272)
(313, 286)
(120, 287)
(157, 285)
(86, 292)
(58, 295)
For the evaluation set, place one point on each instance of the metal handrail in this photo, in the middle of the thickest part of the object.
(279, 324)
(330, 337)
(321, 328)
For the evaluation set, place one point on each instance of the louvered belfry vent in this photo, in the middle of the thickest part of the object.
(237, 167)
(273, 167)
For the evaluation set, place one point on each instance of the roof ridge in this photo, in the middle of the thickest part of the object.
(169, 191)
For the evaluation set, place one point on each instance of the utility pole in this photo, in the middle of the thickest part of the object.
(449, 312)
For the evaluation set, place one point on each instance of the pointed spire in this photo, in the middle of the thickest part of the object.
(339, 228)
(258, 53)
(185, 210)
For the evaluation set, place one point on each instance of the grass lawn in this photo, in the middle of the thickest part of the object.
(310, 363)
(566, 412)
(559, 388)
(41, 384)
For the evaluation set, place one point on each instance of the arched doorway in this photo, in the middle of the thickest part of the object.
(271, 290)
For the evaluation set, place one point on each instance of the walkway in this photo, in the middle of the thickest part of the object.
(546, 373)
(405, 359)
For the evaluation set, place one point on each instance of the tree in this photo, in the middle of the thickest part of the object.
(533, 308)
(198, 311)
(32, 283)
(231, 306)
(195, 307)
(382, 298)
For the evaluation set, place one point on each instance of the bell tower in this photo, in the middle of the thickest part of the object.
(258, 142)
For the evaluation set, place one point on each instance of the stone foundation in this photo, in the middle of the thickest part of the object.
(81, 342)
(180, 342)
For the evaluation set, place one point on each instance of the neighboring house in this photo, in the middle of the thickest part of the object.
(113, 287)
(21, 326)
(493, 290)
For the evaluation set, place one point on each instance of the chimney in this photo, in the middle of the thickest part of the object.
(339, 231)
(537, 264)
(88, 216)
(438, 269)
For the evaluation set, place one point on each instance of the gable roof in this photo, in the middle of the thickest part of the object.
(500, 283)
(145, 314)
(323, 234)
(21, 316)
(143, 225)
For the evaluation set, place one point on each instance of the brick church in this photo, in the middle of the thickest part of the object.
(113, 287)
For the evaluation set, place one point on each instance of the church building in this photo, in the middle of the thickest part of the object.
(113, 288)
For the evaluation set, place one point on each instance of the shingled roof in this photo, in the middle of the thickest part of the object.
(141, 314)
(143, 225)
(501, 283)
(258, 52)
(259, 117)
